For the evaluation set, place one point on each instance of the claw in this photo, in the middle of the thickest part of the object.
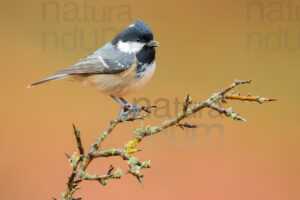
(148, 109)
(127, 108)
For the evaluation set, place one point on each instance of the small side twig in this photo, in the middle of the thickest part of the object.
(228, 112)
(79, 143)
(183, 125)
(248, 98)
(234, 85)
(103, 179)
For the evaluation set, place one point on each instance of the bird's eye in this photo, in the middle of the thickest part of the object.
(138, 39)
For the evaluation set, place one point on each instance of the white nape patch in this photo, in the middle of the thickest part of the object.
(132, 25)
(103, 62)
(130, 47)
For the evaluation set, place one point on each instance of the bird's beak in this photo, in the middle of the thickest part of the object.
(153, 43)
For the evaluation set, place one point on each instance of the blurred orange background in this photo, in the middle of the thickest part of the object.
(205, 45)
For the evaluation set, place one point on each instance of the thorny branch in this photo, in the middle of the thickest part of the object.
(80, 164)
(79, 143)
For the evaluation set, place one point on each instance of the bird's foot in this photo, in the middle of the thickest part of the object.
(129, 111)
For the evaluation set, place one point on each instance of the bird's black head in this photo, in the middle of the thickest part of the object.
(134, 38)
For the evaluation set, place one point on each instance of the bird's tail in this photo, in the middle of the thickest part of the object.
(50, 78)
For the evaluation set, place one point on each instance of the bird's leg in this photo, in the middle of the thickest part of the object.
(125, 108)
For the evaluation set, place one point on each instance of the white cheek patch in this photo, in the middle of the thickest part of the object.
(130, 47)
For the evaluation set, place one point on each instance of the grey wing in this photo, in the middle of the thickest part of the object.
(104, 61)
(95, 64)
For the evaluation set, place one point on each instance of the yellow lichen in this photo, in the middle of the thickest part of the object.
(130, 146)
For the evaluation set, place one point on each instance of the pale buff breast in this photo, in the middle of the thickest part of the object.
(118, 85)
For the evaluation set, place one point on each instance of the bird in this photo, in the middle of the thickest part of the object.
(119, 68)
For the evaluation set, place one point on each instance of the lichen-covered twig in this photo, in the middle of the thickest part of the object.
(103, 179)
(113, 124)
(234, 85)
(80, 164)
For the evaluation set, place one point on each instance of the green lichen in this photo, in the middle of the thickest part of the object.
(216, 98)
(102, 181)
(136, 169)
(74, 160)
(233, 116)
(261, 100)
(146, 164)
(118, 173)
(190, 100)
(180, 115)
(103, 137)
(112, 151)
(139, 131)
(84, 175)
(150, 130)
(133, 161)
(229, 110)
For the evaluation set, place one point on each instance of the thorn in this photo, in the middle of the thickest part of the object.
(74, 128)
(141, 182)
(242, 119)
(68, 156)
(148, 109)
(111, 168)
(223, 101)
(187, 100)
(190, 125)
(76, 198)
(272, 99)
(77, 181)
(186, 125)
